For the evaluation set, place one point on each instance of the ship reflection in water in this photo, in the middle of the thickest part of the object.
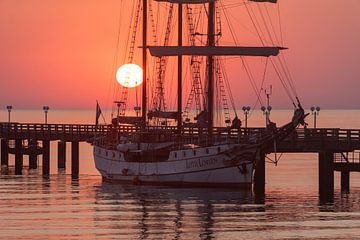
(182, 213)
(59, 208)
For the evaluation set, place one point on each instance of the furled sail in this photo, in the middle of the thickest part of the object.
(160, 51)
(127, 120)
(186, 1)
(206, 1)
(270, 1)
(162, 114)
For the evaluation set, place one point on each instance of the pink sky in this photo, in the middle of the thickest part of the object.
(60, 52)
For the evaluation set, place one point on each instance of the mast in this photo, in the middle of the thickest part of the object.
(210, 50)
(210, 93)
(144, 103)
(179, 107)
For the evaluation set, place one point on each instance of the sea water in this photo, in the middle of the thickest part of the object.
(33, 207)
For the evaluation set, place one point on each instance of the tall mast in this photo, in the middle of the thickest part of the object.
(210, 51)
(144, 97)
(211, 42)
(179, 107)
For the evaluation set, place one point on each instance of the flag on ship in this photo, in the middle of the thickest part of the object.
(98, 113)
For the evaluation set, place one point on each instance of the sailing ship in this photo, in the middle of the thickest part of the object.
(164, 147)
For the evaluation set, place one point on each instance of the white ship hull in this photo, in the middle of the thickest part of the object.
(201, 167)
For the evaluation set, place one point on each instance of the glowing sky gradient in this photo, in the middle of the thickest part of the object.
(60, 52)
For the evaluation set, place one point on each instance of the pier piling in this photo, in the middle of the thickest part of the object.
(32, 144)
(345, 181)
(4, 153)
(46, 158)
(18, 157)
(61, 155)
(259, 175)
(33, 161)
(74, 160)
(326, 176)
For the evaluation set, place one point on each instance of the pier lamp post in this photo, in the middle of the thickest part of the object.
(266, 112)
(246, 113)
(46, 110)
(137, 109)
(315, 111)
(118, 105)
(9, 108)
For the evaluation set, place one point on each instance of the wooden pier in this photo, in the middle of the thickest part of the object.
(23, 139)
(335, 148)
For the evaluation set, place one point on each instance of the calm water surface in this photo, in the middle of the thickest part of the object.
(59, 208)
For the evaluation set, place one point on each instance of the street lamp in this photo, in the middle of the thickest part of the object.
(137, 110)
(118, 105)
(9, 111)
(266, 111)
(246, 112)
(46, 110)
(315, 111)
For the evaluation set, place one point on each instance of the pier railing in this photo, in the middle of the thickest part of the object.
(347, 157)
(308, 139)
(78, 132)
(321, 139)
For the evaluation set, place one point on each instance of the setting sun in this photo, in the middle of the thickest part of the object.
(129, 75)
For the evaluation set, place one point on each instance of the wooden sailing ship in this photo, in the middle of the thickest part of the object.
(185, 153)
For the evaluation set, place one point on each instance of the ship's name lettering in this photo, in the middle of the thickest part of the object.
(200, 163)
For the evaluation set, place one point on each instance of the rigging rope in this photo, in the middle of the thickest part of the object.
(266, 26)
(244, 63)
(280, 25)
(282, 60)
(261, 87)
(154, 33)
(125, 90)
(159, 97)
(287, 82)
(115, 60)
(283, 82)
(278, 42)
(232, 101)
(195, 64)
